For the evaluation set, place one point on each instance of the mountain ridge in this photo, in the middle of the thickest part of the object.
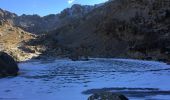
(120, 28)
(40, 25)
(117, 28)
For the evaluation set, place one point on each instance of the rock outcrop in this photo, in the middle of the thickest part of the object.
(12, 41)
(107, 96)
(8, 66)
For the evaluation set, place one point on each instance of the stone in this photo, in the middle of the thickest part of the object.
(8, 66)
(107, 96)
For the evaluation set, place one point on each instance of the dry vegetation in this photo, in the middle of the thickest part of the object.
(12, 40)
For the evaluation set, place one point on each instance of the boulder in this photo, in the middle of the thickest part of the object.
(8, 66)
(107, 96)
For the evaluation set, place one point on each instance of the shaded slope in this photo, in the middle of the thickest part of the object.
(120, 28)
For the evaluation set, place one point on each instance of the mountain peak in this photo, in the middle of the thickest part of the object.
(6, 14)
(76, 10)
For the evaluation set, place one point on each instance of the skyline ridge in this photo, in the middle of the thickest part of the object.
(40, 8)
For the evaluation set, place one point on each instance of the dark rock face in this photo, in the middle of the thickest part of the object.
(119, 28)
(8, 67)
(107, 96)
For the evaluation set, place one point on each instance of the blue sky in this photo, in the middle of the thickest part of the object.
(42, 7)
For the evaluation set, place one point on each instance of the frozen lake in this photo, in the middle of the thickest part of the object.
(75, 80)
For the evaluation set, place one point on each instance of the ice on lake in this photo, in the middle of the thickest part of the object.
(63, 79)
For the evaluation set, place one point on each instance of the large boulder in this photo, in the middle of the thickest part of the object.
(8, 66)
(107, 96)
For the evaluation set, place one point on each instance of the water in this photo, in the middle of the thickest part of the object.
(76, 80)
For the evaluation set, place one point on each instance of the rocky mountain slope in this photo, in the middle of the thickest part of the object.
(118, 28)
(14, 29)
(12, 41)
(6, 16)
(39, 25)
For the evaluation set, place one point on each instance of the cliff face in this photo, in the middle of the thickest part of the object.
(118, 28)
